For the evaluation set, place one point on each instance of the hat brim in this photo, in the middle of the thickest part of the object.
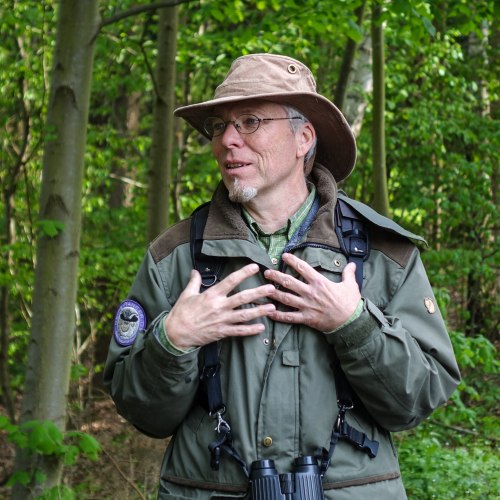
(336, 148)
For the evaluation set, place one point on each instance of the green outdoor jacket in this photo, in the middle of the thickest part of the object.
(279, 386)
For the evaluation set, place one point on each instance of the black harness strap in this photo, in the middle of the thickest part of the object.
(210, 269)
(352, 236)
(354, 242)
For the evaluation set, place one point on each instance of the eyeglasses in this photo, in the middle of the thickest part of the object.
(244, 124)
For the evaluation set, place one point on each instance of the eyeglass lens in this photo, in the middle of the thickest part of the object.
(244, 124)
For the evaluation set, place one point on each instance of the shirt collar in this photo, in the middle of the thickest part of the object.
(292, 223)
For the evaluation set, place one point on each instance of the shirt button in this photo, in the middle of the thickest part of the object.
(267, 441)
(266, 341)
(274, 260)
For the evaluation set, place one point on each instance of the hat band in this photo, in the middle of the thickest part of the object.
(257, 88)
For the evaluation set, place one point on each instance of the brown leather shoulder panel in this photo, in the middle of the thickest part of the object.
(396, 247)
(174, 236)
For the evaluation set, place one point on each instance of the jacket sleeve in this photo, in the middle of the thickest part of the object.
(152, 388)
(400, 360)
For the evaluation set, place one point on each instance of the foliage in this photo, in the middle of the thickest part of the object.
(45, 438)
(430, 470)
(452, 455)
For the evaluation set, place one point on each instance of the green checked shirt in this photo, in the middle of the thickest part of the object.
(274, 243)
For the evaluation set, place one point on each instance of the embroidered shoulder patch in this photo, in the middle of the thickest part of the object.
(130, 319)
(430, 305)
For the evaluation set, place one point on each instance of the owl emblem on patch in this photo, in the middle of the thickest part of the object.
(130, 319)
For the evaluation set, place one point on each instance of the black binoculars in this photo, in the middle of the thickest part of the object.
(304, 483)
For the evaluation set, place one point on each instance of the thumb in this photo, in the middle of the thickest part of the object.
(349, 272)
(194, 284)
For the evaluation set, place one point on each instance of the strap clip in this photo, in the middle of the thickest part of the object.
(222, 425)
(209, 371)
(359, 440)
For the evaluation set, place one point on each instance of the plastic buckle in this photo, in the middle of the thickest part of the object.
(209, 371)
(358, 246)
(369, 446)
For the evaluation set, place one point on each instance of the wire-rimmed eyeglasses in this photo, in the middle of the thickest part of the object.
(244, 124)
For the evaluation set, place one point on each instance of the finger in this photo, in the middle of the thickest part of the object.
(288, 317)
(231, 281)
(250, 295)
(299, 265)
(286, 281)
(251, 313)
(288, 299)
(243, 330)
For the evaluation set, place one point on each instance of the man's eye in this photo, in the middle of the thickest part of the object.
(250, 121)
(218, 126)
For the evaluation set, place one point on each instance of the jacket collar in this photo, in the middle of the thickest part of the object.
(225, 220)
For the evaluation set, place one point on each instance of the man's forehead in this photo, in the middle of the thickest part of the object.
(252, 106)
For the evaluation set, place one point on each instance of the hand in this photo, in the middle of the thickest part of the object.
(200, 318)
(318, 302)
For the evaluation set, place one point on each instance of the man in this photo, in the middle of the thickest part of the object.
(288, 313)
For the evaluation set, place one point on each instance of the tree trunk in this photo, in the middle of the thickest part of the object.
(479, 289)
(347, 64)
(381, 198)
(126, 114)
(20, 128)
(54, 297)
(359, 86)
(163, 125)
(5, 316)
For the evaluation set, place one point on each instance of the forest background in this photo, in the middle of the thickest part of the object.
(435, 146)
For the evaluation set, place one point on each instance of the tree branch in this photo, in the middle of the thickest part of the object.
(123, 475)
(462, 430)
(139, 9)
(126, 180)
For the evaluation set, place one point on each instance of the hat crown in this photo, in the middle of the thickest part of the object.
(258, 74)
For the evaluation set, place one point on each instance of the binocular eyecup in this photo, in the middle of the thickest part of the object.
(304, 483)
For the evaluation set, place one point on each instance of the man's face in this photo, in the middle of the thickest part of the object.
(267, 161)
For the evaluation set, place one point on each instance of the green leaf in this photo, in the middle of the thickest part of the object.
(50, 227)
(354, 31)
(59, 492)
(429, 26)
(89, 446)
(44, 437)
(71, 454)
(19, 477)
(78, 371)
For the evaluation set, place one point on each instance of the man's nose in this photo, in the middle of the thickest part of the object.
(231, 136)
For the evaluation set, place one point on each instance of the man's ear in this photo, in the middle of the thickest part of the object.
(305, 139)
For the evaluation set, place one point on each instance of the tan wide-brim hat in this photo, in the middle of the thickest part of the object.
(284, 80)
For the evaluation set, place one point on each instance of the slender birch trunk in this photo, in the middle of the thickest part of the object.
(163, 125)
(53, 321)
(381, 197)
